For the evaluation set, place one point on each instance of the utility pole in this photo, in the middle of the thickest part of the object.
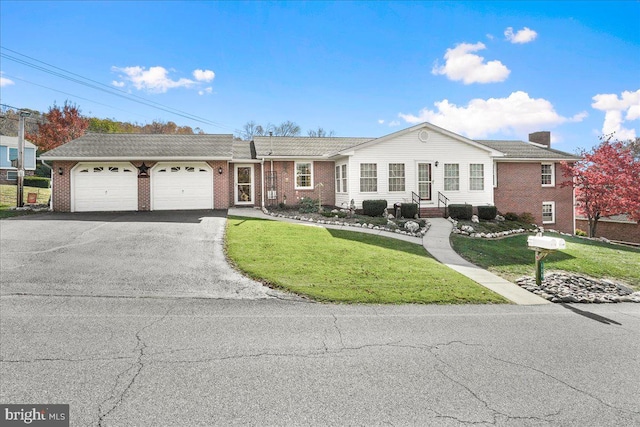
(20, 195)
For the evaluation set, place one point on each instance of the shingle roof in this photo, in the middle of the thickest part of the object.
(291, 146)
(144, 146)
(526, 150)
(242, 150)
(12, 141)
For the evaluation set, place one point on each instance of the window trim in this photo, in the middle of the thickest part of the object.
(338, 179)
(402, 178)
(373, 177)
(471, 177)
(345, 187)
(553, 174)
(553, 212)
(445, 177)
(310, 163)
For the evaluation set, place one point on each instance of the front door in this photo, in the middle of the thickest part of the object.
(424, 181)
(244, 193)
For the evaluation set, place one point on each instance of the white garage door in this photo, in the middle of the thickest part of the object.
(181, 186)
(105, 187)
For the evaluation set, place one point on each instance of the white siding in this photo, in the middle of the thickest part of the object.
(408, 149)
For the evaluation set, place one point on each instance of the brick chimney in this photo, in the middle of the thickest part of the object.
(543, 138)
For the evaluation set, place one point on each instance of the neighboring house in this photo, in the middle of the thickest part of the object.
(9, 152)
(618, 228)
(424, 162)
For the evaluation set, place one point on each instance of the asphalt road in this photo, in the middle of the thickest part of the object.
(209, 353)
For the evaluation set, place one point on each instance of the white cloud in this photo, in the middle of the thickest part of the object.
(462, 64)
(394, 123)
(5, 82)
(380, 121)
(614, 107)
(117, 83)
(516, 114)
(207, 90)
(524, 35)
(204, 75)
(155, 79)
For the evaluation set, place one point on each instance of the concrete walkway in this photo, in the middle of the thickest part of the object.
(436, 242)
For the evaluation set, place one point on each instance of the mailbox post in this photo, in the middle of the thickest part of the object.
(543, 246)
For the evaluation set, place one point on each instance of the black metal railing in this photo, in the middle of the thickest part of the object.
(445, 201)
(415, 198)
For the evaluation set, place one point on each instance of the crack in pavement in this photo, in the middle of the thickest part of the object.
(335, 325)
(63, 359)
(522, 365)
(137, 367)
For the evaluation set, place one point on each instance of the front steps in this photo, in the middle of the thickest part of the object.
(432, 212)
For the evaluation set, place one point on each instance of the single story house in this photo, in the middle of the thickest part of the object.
(423, 163)
(9, 152)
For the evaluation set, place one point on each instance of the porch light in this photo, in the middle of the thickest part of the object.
(220, 171)
(436, 163)
(60, 171)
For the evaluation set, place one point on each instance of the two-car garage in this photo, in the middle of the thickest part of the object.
(114, 186)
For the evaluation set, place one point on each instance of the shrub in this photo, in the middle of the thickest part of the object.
(510, 216)
(374, 207)
(408, 210)
(581, 232)
(527, 217)
(36, 181)
(308, 205)
(461, 211)
(487, 213)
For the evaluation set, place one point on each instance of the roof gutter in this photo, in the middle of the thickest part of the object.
(131, 158)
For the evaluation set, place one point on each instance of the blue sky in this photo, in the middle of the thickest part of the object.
(486, 70)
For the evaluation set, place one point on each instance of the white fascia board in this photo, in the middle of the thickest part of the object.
(136, 158)
(535, 160)
(274, 158)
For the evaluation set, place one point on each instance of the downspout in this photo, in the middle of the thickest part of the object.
(262, 183)
(51, 181)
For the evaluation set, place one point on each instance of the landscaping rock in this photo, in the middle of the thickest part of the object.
(574, 288)
(475, 219)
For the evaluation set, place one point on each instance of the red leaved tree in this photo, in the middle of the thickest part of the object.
(606, 180)
(60, 126)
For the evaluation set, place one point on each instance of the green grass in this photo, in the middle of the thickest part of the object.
(345, 266)
(511, 259)
(8, 195)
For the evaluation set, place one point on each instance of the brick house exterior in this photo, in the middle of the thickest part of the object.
(618, 228)
(424, 160)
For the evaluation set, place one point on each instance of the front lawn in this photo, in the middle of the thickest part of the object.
(345, 266)
(8, 196)
(510, 258)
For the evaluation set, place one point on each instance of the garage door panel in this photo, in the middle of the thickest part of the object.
(105, 187)
(182, 186)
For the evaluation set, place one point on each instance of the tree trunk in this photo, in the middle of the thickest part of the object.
(593, 224)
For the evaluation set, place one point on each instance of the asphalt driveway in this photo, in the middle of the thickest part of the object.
(141, 254)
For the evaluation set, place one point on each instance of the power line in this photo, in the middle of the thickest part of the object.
(68, 75)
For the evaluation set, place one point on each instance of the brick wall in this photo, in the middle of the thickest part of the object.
(221, 184)
(61, 196)
(323, 172)
(4, 180)
(620, 231)
(519, 190)
(144, 187)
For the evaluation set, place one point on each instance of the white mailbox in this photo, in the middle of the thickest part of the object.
(545, 242)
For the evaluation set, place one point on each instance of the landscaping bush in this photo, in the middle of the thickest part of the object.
(36, 181)
(374, 207)
(408, 210)
(581, 232)
(308, 205)
(461, 211)
(510, 216)
(527, 218)
(487, 213)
